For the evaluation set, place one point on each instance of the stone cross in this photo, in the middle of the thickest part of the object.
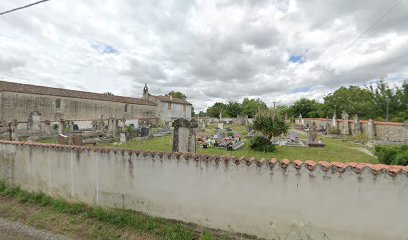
(184, 137)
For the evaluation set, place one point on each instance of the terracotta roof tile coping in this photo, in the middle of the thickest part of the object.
(172, 100)
(392, 170)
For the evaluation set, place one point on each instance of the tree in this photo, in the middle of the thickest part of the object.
(108, 93)
(306, 107)
(271, 123)
(233, 109)
(178, 95)
(397, 100)
(251, 106)
(214, 110)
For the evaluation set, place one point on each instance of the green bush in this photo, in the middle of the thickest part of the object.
(262, 144)
(392, 155)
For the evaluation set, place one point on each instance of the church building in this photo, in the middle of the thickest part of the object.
(168, 107)
(25, 103)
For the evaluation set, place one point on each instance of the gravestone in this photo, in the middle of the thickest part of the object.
(63, 139)
(357, 125)
(12, 127)
(144, 132)
(334, 121)
(221, 125)
(122, 137)
(345, 128)
(94, 124)
(301, 120)
(184, 138)
(166, 127)
(77, 140)
(370, 129)
(61, 126)
(47, 124)
(312, 137)
(34, 122)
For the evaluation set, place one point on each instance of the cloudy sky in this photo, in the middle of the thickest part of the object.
(211, 50)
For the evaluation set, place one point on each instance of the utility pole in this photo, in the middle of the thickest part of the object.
(274, 104)
(387, 114)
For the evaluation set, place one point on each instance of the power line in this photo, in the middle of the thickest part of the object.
(22, 7)
(371, 27)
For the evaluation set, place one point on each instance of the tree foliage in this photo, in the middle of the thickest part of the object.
(251, 106)
(306, 107)
(366, 102)
(271, 123)
(233, 109)
(214, 110)
(178, 95)
(248, 106)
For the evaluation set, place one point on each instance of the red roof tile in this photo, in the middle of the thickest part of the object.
(59, 92)
(172, 100)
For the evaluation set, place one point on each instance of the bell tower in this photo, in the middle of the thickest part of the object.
(145, 92)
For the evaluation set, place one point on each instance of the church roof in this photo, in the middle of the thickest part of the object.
(59, 92)
(171, 100)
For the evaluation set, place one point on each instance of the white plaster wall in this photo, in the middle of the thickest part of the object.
(176, 111)
(249, 199)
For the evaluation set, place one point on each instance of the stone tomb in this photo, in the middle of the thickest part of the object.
(312, 138)
(184, 138)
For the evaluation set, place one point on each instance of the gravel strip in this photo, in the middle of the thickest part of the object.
(17, 231)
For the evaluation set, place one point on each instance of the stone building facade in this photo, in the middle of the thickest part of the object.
(169, 108)
(29, 103)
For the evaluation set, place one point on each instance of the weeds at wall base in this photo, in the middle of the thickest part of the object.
(161, 228)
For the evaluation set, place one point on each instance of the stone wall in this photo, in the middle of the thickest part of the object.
(20, 105)
(353, 201)
(391, 131)
(176, 111)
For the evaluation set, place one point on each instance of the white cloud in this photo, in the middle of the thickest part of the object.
(211, 50)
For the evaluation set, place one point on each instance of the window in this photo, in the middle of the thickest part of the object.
(126, 107)
(168, 106)
(184, 108)
(58, 103)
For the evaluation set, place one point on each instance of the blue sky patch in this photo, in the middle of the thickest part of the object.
(104, 48)
(296, 59)
(303, 89)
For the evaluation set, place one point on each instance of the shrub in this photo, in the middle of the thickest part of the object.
(392, 155)
(270, 123)
(262, 144)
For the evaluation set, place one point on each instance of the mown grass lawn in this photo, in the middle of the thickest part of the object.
(335, 150)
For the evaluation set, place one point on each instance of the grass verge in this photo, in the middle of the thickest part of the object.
(80, 221)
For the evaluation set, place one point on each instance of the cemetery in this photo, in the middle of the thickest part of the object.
(293, 146)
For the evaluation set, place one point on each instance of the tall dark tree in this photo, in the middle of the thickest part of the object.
(353, 100)
(214, 110)
(233, 109)
(251, 106)
(306, 107)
